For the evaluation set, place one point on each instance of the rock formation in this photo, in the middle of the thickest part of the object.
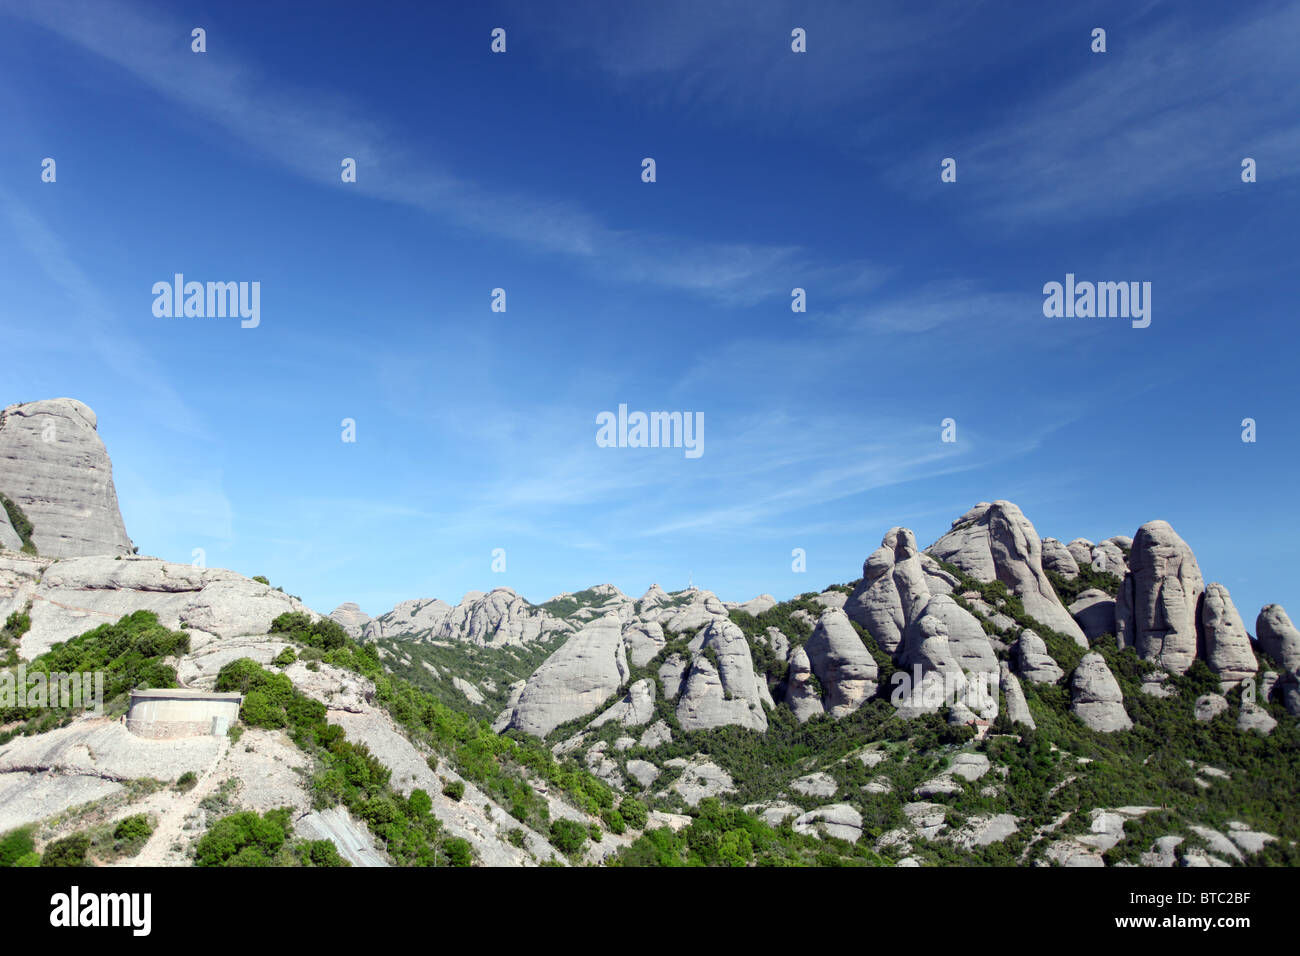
(1096, 697)
(1057, 557)
(1156, 611)
(997, 542)
(1278, 637)
(575, 680)
(1094, 610)
(54, 466)
(727, 692)
(843, 665)
(351, 618)
(1033, 661)
(1225, 645)
(802, 695)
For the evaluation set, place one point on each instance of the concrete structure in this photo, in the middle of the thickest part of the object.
(180, 712)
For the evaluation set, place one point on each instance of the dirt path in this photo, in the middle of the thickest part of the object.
(171, 826)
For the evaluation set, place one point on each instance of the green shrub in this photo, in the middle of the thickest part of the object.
(634, 813)
(454, 789)
(187, 781)
(70, 851)
(568, 836)
(16, 844)
(285, 657)
(459, 852)
(132, 829)
(243, 839)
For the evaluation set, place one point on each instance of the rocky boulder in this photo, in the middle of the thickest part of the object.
(1225, 644)
(351, 618)
(1057, 557)
(575, 680)
(1156, 612)
(55, 468)
(843, 665)
(721, 686)
(995, 541)
(1094, 610)
(1033, 661)
(644, 639)
(802, 695)
(1096, 697)
(1278, 637)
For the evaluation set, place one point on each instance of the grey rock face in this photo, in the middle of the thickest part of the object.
(1094, 610)
(633, 710)
(77, 594)
(779, 643)
(1209, 706)
(1225, 643)
(655, 735)
(671, 674)
(727, 693)
(1254, 717)
(1057, 557)
(54, 466)
(1081, 550)
(351, 618)
(801, 694)
(704, 609)
(893, 587)
(839, 820)
(642, 771)
(756, 606)
(1108, 557)
(1157, 608)
(845, 668)
(644, 639)
(1033, 661)
(997, 542)
(1017, 706)
(575, 680)
(815, 785)
(1278, 637)
(1097, 699)
(8, 536)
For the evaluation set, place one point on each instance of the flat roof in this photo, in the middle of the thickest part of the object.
(187, 693)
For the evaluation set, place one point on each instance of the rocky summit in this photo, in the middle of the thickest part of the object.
(996, 698)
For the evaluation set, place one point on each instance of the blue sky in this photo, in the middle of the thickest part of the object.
(476, 429)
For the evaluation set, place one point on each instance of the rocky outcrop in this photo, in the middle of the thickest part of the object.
(1057, 557)
(498, 618)
(72, 596)
(1081, 550)
(351, 618)
(1109, 557)
(1225, 644)
(843, 665)
(1278, 637)
(633, 710)
(644, 639)
(756, 606)
(1094, 610)
(1017, 707)
(703, 609)
(1096, 697)
(1157, 606)
(837, 820)
(54, 466)
(802, 695)
(1033, 661)
(9, 539)
(892, 589)
(721, 686)
(997, 542)
(575, 680)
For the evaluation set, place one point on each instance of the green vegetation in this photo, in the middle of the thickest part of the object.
(568, 836)
(247, 839)
(186, 781)
(1068, 590)
(325, 634)
(130, 653)
(285, 657)
(454, 789)
(727, 836)
(16, 625)
(20, 523)
(70, 851)
(15, 845)
(344, 773)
